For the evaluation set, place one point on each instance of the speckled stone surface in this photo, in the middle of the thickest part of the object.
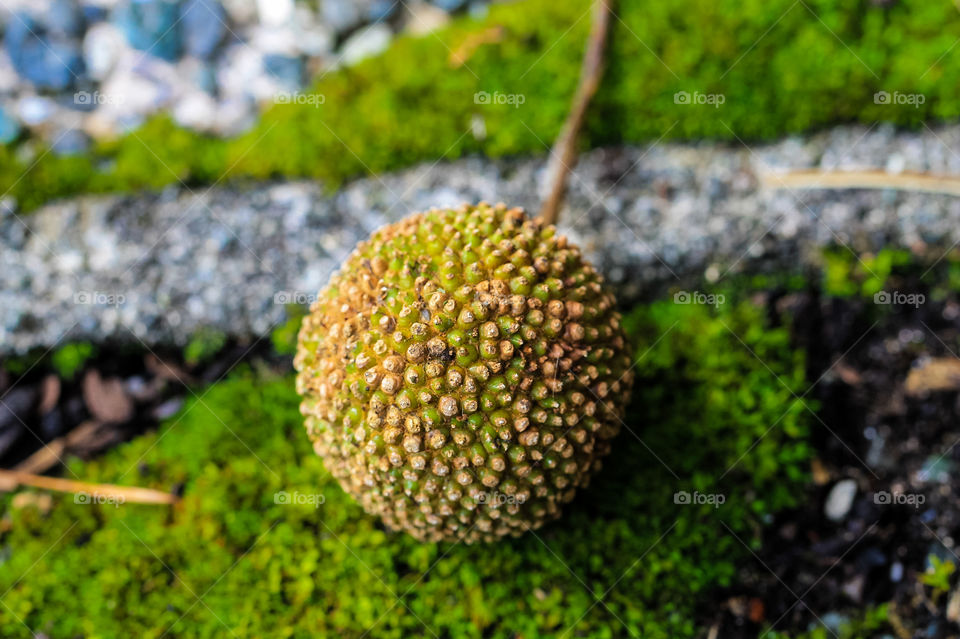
(155, 267)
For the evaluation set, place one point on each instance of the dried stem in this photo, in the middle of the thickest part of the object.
(563, 156)
(460, 55)
(814, 179)
(10, 479)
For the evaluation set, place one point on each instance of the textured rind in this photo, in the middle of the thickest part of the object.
(463, 373)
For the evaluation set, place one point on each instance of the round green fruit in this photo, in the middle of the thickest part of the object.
(463, 373)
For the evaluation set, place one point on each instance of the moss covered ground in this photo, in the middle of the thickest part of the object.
(782, 66)
(264, 542)
(625, 558)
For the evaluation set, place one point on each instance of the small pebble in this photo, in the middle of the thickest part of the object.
(840, 499)
(896, 572)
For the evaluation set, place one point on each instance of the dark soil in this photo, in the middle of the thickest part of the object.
(810, 570)
(900, 449)
(120, 393)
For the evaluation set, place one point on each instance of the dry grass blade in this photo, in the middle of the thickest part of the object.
(11, 479)
(907, 181)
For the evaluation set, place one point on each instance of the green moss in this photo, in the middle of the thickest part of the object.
(703, 406)
(284, 337)
(872, 622)
(781, 67)
(204, 344)
(70, 358)
(931, 275)
(847, 274)
(66, 361)
(17, 365)
(938, 574)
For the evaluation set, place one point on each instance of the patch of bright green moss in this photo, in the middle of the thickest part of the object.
(70, 358)
(66, 360)
(204, 344)
(846, 274)
(291, 566)
(933, 275)
(781, 66)
(872, 622)
(284, 336)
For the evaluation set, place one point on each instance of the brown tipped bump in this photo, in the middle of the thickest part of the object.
(463, 373)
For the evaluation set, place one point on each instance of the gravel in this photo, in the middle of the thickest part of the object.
(104, 66)
(156, 267)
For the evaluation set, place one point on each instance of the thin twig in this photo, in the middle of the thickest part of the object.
(10, 479)
(907, 181)
(43, 459)
(460, 55)
(564, 153)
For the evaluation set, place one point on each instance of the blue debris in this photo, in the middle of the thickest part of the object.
(64, 17)
(94, 13)
(341, 15)
(381, 10)
(449, 5)
(71, 142)
(48, 60)
(9, 128)
(150, 25)
(286, 70)
(206, 78)
(204, 26)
